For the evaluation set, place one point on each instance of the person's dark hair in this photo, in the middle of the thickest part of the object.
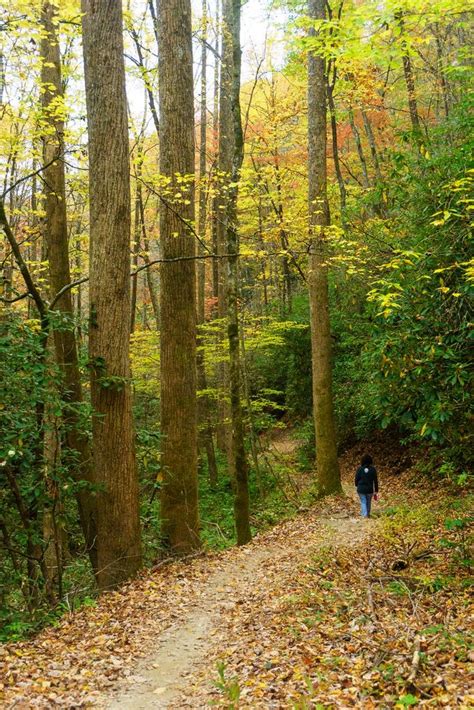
(366, 460)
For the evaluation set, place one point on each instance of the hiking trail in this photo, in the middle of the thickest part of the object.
(306, 613)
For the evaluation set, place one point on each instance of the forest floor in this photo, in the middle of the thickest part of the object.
(325, 610)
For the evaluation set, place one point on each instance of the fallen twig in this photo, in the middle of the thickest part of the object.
(415, 664)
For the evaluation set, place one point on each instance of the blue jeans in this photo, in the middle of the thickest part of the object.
(365, 503)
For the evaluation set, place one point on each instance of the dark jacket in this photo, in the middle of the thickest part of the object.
(366, 480)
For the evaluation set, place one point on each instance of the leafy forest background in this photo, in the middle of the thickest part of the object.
(220, 256)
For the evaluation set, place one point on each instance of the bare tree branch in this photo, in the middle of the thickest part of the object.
(25, 272)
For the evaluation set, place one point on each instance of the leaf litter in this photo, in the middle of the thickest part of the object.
(326, 610)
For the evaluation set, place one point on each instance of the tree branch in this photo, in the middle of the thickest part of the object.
(176, 213)
(30, 285)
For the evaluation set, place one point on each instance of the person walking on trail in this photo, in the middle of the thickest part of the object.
(367, 484)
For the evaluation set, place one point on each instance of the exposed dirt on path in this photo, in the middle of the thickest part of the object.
(183, 651)
(163, 675)
(160, 680)
(180, 671)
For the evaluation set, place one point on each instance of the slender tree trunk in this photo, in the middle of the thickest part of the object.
(150, 277)
(372, 145)
(78, 304)
(215, 136)
(252, 431)
(360, 150)
(219, 128)
(287, 285)
(2, 76)
(179, 502)
(33, 251)
(261, 244)
(202, 222)
(441, 71)
(412, 103)
(409, 80)
(149, 93)
(137, 234)
(335, 150)
(154, 18)
(205, 437)
(118, 524)
(8, 264)
(231, 16)
(53, 552)
(56, 243)
(329, 480)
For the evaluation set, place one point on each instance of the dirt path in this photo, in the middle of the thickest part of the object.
(160, 680)
(162, 676)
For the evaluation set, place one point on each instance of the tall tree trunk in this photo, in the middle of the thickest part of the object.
(224, 434)
(202, 222)
(179, 501)
(231, 16)
(118, 523)
(215, 140)
(204, 404)
(56, 243)
(328, 475)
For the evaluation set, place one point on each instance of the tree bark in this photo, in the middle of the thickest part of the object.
(231, 16)
(328, 475)
(118, 525)
(179, 495)
(56, 244)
